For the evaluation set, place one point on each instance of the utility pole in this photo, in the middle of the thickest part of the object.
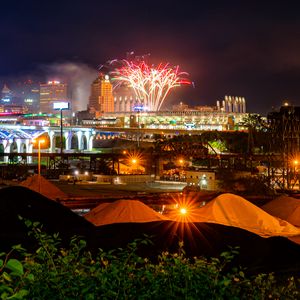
(61, 132)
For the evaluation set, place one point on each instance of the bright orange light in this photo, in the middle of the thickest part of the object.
(124, 152)
(183, 211)
(40, 141)
(181, 161)
(134, 157)
(296, 162)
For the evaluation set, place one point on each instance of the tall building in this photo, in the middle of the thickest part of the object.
(29, 94)
(101, 97)
(50, 93)
(6, 95)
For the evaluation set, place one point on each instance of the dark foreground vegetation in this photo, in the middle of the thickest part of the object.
(53, 272)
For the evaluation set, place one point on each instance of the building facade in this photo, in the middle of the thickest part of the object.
(101, 99)
(50, 93)
(205, 179)
(186, 120)
(6, 95)
(30, 94)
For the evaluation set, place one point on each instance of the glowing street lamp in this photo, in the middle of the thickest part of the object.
(61, 106)
(134, 162)
(296, 162)
(183, 211)
(40, 141)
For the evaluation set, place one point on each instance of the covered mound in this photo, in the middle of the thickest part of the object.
(286, 208)
(123, 211)
(41, 185)
(257, 254)
(20, 201)
(232, 210)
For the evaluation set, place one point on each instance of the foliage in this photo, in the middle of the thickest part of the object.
(256, 126)
(218, 145)
(249, 185)
(52, 272)
(255, 122)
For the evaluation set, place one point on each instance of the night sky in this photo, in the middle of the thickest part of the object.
(240, 48)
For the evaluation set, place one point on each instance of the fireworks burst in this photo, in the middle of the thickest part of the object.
(150, 84)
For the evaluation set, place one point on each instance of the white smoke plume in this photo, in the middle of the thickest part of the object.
(79, 78)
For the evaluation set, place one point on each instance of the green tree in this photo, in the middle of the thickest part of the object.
(254, 123)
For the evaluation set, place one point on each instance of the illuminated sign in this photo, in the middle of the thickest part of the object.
(61, 105)
(139, 108)
(28, 100)
(54, 82)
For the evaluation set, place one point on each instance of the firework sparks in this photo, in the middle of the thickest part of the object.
(150, 84)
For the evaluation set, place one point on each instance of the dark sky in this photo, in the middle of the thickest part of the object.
(243, 48)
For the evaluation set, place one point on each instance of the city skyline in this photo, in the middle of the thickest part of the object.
(228, 48)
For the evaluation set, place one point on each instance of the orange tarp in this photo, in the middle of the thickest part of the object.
(286, 208)
(123, 211)
(41, 185)
(232, 210)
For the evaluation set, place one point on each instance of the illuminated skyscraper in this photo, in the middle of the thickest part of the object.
(52, 92)
(29, 92)
(101, 97)
(6, 95)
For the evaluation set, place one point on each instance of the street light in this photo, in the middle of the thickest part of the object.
(61, 106)
(40, 141)
(296, 170)
(183, 210)
(134, 162)
(181, 163)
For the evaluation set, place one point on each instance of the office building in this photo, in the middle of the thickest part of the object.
(50, 93)
(101, 98)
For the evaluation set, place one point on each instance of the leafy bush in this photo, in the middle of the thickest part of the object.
(249, 185)
(52, 272)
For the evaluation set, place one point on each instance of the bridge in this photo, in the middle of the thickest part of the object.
(18, 139)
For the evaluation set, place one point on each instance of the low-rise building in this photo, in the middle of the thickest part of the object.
(205, 179)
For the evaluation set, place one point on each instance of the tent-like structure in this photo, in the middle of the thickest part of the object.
(286, 208)
(232, 210)
(123, 211)
(41, 185)
(16, 201)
